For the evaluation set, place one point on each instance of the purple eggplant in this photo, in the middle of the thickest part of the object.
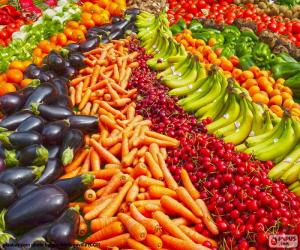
(85, 123)
(90, 44)
(77, 60)
(70, 72)
(44, 76)
(56, 62)
(32, 71)
(76, 186)
(36, 233)
(10, 103)
(65, 229)
(45, 93)
(19, 140)
(12, 121)
(51, 112)
(73, 47)
(33, 123)
(53, 132)
(40, 206)
(53, 151)
(33, 155)
(60, 84)
(63, 101)
(2, 165)
(27, 189)
(21, 176)
(72, 142)
(8, 194)
(53, 170)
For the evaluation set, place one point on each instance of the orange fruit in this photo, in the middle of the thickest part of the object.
(253, 90)
(288, 103)
(89, 23)
(14, 75)
(96, 9)
(277, 110)
(25, 82)
(7, 88)
(86, 6)
(45, 46)
(82, 28)
(218, 51)
(86, 16)
(199, 42)
(17, 65)
(287, 90)
(73, 24)
(62, 39)
(280, 81)
(264, 84)
(249, 83)
(260, 98)
(53, 39)
(277, 100)
(247, 74)
(97, 18)
(77, 35)
(37, 52)
(255, 70)
(286, 95)
(295, 112)
(226, 64)
(236, 73)
(68, 32)
(274, 92)
(104, 3)
(212, 57)
(212, 41)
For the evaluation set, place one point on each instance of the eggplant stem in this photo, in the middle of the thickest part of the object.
(4, 138)
(35, 83)
(3, 129)
(67, 156)
(87, 179)
(42, 156)
(4, 237)
(38, 171)
(35, 108)
(11, 158)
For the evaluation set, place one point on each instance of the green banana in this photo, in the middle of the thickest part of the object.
(294, 185)
(176, 69)
(241, 147)
(258, 119)
(291, 175)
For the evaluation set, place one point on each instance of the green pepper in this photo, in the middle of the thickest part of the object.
(285, 69)
(287, 57)
(195, 26)
(175, 29)
(262, 54)
(228, 51)
(231, 30)
(205, 36)
(246, 61)
(244, 46)
(182, 24)
(250, 34)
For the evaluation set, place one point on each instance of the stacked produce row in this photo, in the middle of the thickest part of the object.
(131, 134)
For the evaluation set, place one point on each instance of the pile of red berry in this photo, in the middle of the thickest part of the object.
(246, 205)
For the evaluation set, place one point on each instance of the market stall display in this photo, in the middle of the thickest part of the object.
(151, 125)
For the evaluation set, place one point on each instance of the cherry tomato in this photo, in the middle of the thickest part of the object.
(296, 28)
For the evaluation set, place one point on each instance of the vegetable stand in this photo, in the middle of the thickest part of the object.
(150, 125)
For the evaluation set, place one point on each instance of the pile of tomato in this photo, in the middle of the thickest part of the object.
(226, 12)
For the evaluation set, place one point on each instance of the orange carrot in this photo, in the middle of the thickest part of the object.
(86, 82)
(136, 245)
(110, 109)
(148, 140)
(125, 147)
(99, 85)
(168, 178)
(112, 166)
(77, 161)
(72, 94)
(133, 192)
(176, 207)
(109, 231)
(118, 88)
(137, 230)
(116, 149)
(130, 113)
(105, 174)
(116, 75)
(145, 202)
(97, 209)
(111, 141)
(128, 159)
(132, 56)
(124, 81)
(153, 241)
(187, 183)
(90, 195)
(189, 202)
(123, 69)
(154, 150)
(82, 227)
(71, 174)
(207, 219)
(100, 192)
(181, 221)
(121, 102)
(143, 196)
(77, 80)
(153, 166)
(142, 151)
(94, 109)
(169, 226)
(156, 192)
(123, 208)
(135, 136)
(117, 241)
(114, 94)
(162, 137)
(99, 183)
(85, 99)
(163, 152)
(115, 182)
(109, 122)
(153, 207)
(99, 223)
(131, 94)
(151, 225)
(87, 109)
(86, 164)
(139, 169)
(94, 51)
(95, 160)
(95, 75)
(113, 207)
(145, 181)
(179, 244)
(104, 153)
(78, 95)
(196, 237)
(81, 205)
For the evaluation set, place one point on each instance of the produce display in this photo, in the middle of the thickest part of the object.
(150, 125)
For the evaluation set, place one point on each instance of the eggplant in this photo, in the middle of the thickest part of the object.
(53, 151)
(64, 231)
(56, 62)
(73, 47)
(90, 44)
(53, 170)
(27, 189)
(31, 236)
(33, 123)
(8, 194)
(11, 244)
(133, 12)
(121, 25)
(60, 84)
(85, 123)
(19, 140)
(2, 150)
(77, 61)
(2, 165)
(12, 121)
(44, 76)
(10, 103)
(107, 27)
(63, 101)
(53, 132)
(32, 71)
(51, 112)
(33, 155)
(40, 206)
(45, 93)
(26, 92)
(115, 19)
(21, 176)
(72, 142)
(116, 34)
(70, 72)
(76, 186)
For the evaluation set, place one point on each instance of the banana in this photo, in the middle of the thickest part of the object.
(294, 185)
(268, 125)
(240, 147)
(291, 175)
(242, 132)
(178, 68)
(285, 144)
(229, 116)
(258, 119)
(176, 58)
(296, 191)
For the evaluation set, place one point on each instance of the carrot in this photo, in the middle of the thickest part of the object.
(143, 196)
(136, 229)
(179, 244)
(112, 166)
(77, 80)
(151, 225)
(87, 109)
(153, 241)
(153, 207)
(149, 140)
(112, 92)
(110, 123)
(123, 208)
(168, 178)
(154, 150)
(97, 209)
(109, 231)
(176, 207)
(82, 227)
(128, 159)
(110, 109)
(156, 192)
(135, 136)
(95, 161)
(142, 151)
(169, 226)
(196, 237)
(181, 221)
(72, 94)
(86, 82)
(105, 174)
(187, 183)
(99, 183)
(131, 94)
(145, 202)
(85, 99)
(153, 166)
(115, 182)
(121, 102)
(163, 152)
(89, 62)
(91, 206)
(86, 164)
(111, 141)
(71, 174)
(94, 51)
(113, 207)
(95, 75)
(86, 71)
(94, 109)
(123, 68)
(162, 137)
(81, 205)
(133, 192)
(116, 75)
(78, 95)
(132, 56)
(136, 245)
(118, 88)
(139, 169)
(124, 81)
(100, 192)
(125, 147)
(99, 223)
(187, 199)
(99, 85)
(78, 160)
(90, 195)
(117, 241)
(130, 113)
(207, 219)
(145, 181)
(116, 149)
(104, 153)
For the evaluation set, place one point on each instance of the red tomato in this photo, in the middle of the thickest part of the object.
(296, 28)
(3, 34)
(273, 27)
(201, 4)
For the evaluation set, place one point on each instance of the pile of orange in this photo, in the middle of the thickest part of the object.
(262, 87)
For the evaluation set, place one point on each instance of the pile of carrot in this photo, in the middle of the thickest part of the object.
(134, 202)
